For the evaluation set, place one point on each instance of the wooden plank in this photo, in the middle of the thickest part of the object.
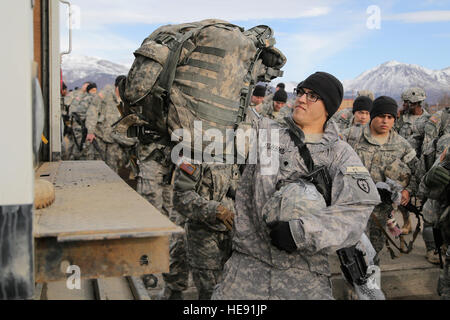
(138, 289)
(97, 259)
(93, 203)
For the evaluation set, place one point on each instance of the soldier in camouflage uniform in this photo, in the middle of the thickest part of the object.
(358, 115)
(386, 155)
(154, 174)
(435, 185)
(257, 98)
(269, 98)
(78, 113)
(99, 119)
(276, 109)
(289, 260)
(411, 126)
(437, 125)
(71, 102)
(204, 194)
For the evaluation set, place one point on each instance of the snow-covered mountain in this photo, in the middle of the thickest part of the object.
(392, 78)
(79, 69)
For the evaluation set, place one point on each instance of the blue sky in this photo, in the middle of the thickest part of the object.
(326, 35)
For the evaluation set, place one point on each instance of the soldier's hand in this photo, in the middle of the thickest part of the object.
(437, 176)
(280, 234)
(225, 215)
(405, 198)
(90, 137)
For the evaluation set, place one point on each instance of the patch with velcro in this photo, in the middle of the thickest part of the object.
(356, 169)
(188, 168)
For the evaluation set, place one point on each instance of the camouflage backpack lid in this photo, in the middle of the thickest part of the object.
(199, 71)
(293, 201)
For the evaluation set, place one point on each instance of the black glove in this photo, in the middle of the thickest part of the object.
(281, 236)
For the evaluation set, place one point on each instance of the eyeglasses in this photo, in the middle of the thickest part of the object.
(311, 96)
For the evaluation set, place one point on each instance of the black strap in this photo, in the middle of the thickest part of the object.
(77, 118)
(302, 148)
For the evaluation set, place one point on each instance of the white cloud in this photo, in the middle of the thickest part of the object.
(156, 11)
(308, 51)
(420, 16)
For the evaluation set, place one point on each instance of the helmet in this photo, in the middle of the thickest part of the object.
(366, 93)
(293, 201)
(414, 95)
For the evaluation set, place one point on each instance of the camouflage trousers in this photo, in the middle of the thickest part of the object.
(374, 233)
(444, 278)
(178, 276)
(247, 278)
(72, 151)
(430, 213)
(111, 153)
(207, 252)
(152, 185)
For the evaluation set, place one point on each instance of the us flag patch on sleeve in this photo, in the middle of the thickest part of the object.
(188, 168)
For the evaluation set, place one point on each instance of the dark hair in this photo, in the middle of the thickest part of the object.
(118, 79)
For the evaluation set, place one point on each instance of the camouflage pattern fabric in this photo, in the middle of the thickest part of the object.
(177, 277)
(393, 160)
(436, 126)
(257, 269)
(81, 108)
(344, 118)
(248, 278)
(441, 213)
(267, 111)
(154, 178)
(412, 128)
(154, 184)
(211, 72)
(208, 241)
(99, 119)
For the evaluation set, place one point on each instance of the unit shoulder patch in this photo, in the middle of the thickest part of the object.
(363, 185)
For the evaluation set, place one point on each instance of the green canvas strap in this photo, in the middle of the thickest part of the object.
(211, 51)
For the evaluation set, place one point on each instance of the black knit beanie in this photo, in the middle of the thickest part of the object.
(362, 103)
(328, 87)
(281, 85)
(260, 91)
(91, 85)
(383, 105)
(118, 79)
(280, 96)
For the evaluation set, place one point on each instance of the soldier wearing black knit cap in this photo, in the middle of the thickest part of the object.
(276, 109)
(287, 257)
(387, 155)
(258, 95)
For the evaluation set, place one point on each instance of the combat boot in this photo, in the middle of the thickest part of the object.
(432, 257)
(168, 294)
(407, 226)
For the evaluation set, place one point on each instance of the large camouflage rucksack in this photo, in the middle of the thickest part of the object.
(198, 71)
